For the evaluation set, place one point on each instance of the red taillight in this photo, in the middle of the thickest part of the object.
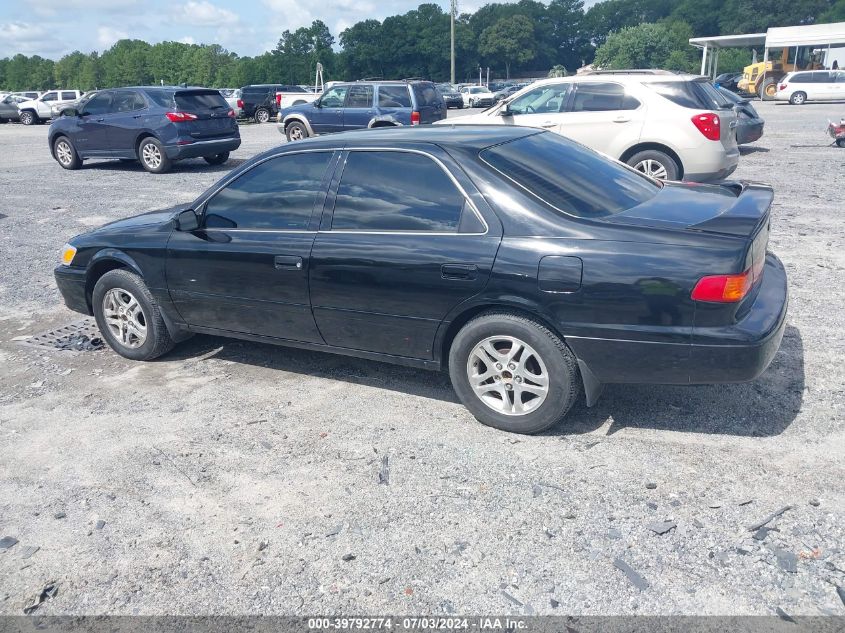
(782, 87)
(241, 104)
(278, 99)
(178, 117)
(231, 113)
(723, 288)
(415, 118)
(709, 125)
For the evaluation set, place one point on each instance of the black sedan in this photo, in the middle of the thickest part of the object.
(749, 124)
(529, 265)
(451, 96)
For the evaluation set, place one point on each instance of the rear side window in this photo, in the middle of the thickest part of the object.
(277, 194)
(396, 191)
(678, 92)
(394, 97)
(161, 98)
(602, 97)
(359, 97)
(68, 96)
(196, 100)
(426, 95)
(570, 177)
(128, 102)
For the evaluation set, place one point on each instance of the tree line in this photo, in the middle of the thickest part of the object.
(525, 38)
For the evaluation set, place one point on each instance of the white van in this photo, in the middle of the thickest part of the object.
(811, 85)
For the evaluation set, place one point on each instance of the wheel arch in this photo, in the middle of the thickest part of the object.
(140, 139)
(294, 118)
(384, 120)
(104, 261)
(52, 138)
(660, 147)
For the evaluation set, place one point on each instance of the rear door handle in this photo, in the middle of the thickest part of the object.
(287, 262)
(136, 116)
(621, 119)
(100, 120)
(458, 271)
(549, 124)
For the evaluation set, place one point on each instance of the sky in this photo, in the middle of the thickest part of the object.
(52, 28)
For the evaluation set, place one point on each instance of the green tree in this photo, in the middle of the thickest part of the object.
(649, 45)
(508, 41)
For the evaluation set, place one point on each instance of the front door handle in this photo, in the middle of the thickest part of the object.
(458, 271)
(100, 120)
(621, 119)
(549, 124)
(136, 116)
(287, 262)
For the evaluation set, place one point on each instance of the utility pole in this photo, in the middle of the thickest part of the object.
(452, 13)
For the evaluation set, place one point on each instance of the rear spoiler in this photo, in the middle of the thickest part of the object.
(751, 210)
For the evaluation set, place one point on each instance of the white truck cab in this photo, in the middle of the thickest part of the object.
(43, 107)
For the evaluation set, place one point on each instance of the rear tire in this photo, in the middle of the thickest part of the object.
(768, 89)
(153, 157)
(840, 142)
(217, 159)
(527, 363)
(65, 153)
(798, 98)
(262, 115)
(28, 117)
(296, 131)
(656, 164)
(129, 317)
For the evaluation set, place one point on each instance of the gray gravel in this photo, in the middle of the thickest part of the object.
(232, 477)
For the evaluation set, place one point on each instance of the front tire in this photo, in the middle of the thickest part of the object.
(217, 159)
(262, 115)
(128, 316)
(153, 157)
(768, 89)
(513, 373)
(296, 131)
(28, 117)
(656, 164)
(798, 98)
(65, 153)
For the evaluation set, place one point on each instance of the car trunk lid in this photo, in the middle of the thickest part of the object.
(211, 111)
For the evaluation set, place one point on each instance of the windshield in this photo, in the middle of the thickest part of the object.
(569, 177)
(478, 89)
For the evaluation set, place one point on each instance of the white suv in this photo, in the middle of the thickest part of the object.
(668, 126)
(811, 85)
(46, 106)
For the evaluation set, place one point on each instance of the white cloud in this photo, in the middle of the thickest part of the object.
(52, 7)
(26, 38)
(107, 35)
(203, 13)
(187, 40)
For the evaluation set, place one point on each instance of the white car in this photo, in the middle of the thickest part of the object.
(811, 85)
(46, 106)
(233, 98)
(668, 126)
(477, 96)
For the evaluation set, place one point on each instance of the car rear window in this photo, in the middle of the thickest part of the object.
(569, 177)
(200, 100)
(690, 94)
(426, 94)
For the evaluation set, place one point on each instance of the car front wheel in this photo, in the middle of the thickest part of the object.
(656, 164)
(128, 316)
(513, 373)
(296, 131)
(217, 159)
(28, 118)
(153, 157)
(65, 153)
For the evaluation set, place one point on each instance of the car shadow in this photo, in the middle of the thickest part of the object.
(744, 150)
(191, 164)
(762, 408)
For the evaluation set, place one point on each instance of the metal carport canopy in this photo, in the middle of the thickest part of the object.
(746, 40)
(811, 35)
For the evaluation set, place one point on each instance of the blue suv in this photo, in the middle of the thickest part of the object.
(155, 125)
(364, 104)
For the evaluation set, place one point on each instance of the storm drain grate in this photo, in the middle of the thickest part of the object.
(80, 336)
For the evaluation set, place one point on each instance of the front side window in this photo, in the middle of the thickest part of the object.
(101, 103)
(50, 96)
(359, 97)
(277, 194)
(334, 97)
(602, 97)
(545, 99)
(570, 177)
(396, 191)
(394, 97)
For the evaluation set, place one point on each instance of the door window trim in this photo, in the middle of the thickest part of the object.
(467, 200)
(317, 207)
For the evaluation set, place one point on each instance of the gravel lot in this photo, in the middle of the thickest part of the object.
(233, 478)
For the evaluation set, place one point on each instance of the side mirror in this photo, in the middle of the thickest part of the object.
(318, 103)
(187, 220)
(505, 111)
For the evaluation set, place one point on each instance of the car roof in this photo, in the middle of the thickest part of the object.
(621, 78)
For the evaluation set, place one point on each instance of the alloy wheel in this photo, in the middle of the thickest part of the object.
(653, 168)
(296, 133)
(263, 116)
(151, 155)
(124, 318)
(64, 153)
(508, 375)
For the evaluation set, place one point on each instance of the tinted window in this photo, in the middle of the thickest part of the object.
(396, 191)
(100, 104)
(711, 95)
(161, 98)
(426, 95)
(359, 97)
(601, 97)
(128, 102)
(205, 100)
(394, 97)
(839, 77)
(678, 92)
(277, 194)
(334, 97)
(68, 96)
(801, 78)
(570, 177)
(821, 78)
(50, 96)
(551, 98)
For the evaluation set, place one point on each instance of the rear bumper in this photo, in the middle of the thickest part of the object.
(750, 132)
(202, 148)
(71, 283)
(717, 165)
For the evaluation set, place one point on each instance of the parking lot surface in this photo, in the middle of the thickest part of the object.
(231, 477)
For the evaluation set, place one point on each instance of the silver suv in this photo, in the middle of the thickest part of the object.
(668, 126)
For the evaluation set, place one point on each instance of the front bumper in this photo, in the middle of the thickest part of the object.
(71, 283)
(197, 149)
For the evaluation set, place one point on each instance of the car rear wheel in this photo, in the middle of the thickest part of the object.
(656, 164)
(128, 317)
(840, 142)
(29, 118)
(65, 153)
(798, 98)
(296, 131)
(513, 373)
(153, 157)
(217, 159)
(262, 115)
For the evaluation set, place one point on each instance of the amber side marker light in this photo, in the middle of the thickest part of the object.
(723, 288)
(68, 253)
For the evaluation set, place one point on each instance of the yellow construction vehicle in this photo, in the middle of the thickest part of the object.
(760, 78)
